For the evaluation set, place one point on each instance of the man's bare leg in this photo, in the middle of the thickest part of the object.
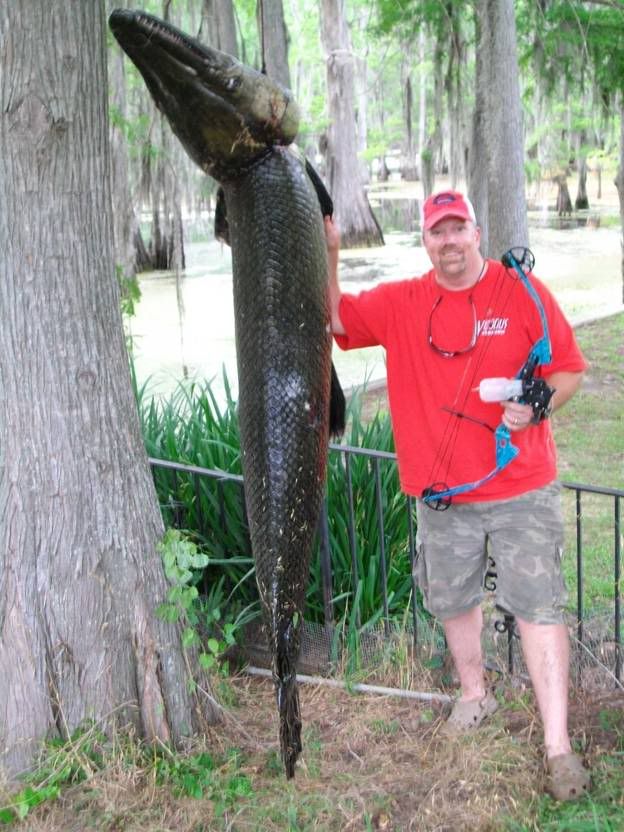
(463, 636)
(546, 649)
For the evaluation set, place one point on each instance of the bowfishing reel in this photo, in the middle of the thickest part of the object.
(524, 388)
(537, 393)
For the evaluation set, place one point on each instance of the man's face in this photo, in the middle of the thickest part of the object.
(453, 247)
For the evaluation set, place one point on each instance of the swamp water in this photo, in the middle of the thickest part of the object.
(184, 327)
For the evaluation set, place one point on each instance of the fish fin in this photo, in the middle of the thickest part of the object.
(326, 202)
(221, 226)
(337, 406)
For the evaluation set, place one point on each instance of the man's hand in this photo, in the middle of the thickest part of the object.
(516, 416)
(332, 235)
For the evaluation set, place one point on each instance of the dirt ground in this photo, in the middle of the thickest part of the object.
(369, 763)
(384, 758)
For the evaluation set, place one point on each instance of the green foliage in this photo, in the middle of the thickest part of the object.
(214, 777)
(204, 776)
(573, 41)
(63, 763)
(184, 566)
(190, 427)
(130, 292)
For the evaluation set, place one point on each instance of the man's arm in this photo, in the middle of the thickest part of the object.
(566, 385)
(332, 236)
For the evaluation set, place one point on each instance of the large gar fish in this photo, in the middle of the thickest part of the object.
(237, 126)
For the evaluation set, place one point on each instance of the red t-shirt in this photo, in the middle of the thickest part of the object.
(432, 444)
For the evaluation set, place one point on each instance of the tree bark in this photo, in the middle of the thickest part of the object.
(125, 223)
(218, 26)
(619, 184)
(564, 201)
(422, 98)
(478, 160)
(410, 168)
(454, 95)
(273, 40)
(507, 212)
(80, 577)
(353, 213)
(582, 200)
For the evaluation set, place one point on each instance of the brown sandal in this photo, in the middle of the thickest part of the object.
(467, 716)
(568, 778)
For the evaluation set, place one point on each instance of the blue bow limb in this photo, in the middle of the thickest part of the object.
(540, 354)
(506, 452)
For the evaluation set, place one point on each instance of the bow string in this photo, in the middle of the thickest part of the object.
(438, 496)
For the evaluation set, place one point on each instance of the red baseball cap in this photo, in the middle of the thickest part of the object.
(446, 204)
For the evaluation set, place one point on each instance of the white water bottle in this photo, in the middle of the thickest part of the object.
(499, 389)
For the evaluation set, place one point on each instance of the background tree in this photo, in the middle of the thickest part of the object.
(274, 41)
(218, 26)
(507, 224)
(80, 576)
(352, 209)
(130, 255)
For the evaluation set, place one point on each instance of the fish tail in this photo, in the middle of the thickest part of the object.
(290, 722)
(285, 677)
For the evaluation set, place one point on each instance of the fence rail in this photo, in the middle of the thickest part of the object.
(580, 491)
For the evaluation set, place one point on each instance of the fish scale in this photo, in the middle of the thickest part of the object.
(283, 350)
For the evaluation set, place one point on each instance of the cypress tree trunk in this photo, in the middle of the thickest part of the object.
(352, 210)
(507, 213)
(619, 184)
(80, 576)
(219, 26)
(478, 160)
(582, 201)
(274, 41)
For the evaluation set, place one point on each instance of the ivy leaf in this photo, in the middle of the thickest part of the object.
(206, 661)
(189, 637)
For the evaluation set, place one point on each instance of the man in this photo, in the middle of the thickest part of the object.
(466, 320)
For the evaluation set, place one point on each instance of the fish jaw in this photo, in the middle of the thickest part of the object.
(226, 115)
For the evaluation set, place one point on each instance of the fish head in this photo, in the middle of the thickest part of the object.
(227, 115)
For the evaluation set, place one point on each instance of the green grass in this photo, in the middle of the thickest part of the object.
(589, 430)
(368, 763)
(589, 433)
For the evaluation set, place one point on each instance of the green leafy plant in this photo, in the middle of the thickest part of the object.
(204, 626)
(62, 763)
(204, 776)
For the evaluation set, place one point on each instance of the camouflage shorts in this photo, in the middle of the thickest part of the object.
(523, 535)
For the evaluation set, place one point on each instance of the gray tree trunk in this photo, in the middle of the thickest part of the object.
(455, 95)
(80, 577)
(422, 97)
(352, 210)
(477, 154)
(507, 213)
(619, 184)
(218, 26)
(410, 168)
(582, 200)
(125, 223)
(273, 40)
(432, 153)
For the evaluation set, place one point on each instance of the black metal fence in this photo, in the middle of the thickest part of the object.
(189, 478)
